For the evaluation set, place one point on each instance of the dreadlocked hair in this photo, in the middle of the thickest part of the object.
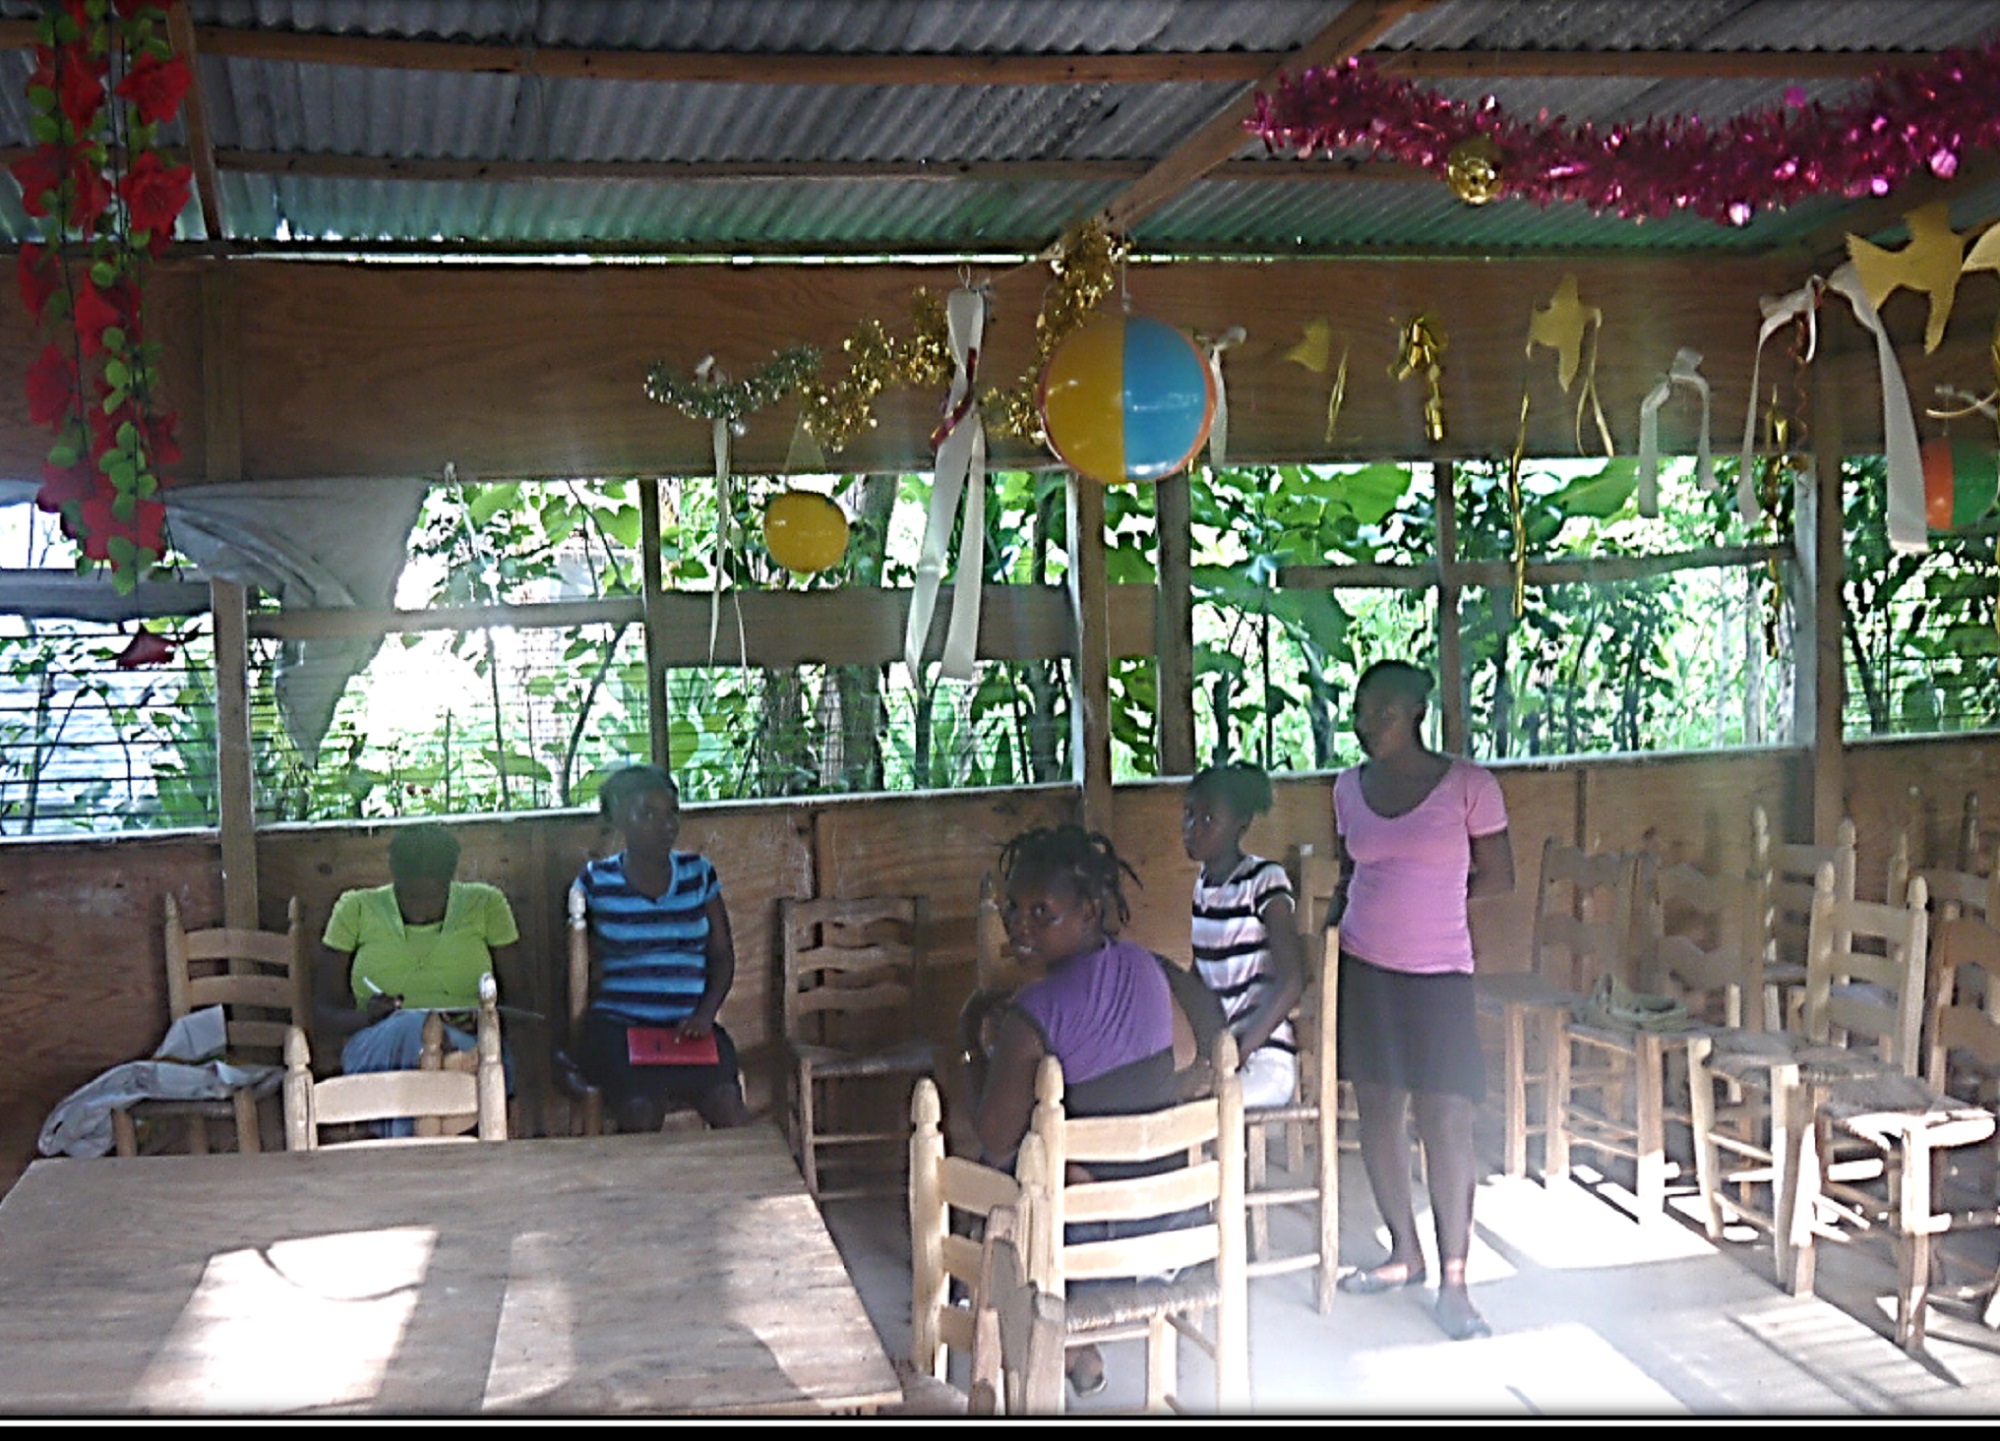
(1084, 859)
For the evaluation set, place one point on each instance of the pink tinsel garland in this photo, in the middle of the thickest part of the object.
(1906, 120)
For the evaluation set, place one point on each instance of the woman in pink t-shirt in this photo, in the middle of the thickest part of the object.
(1417, 833)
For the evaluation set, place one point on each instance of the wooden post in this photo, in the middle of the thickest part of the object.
(1090, 726)
(236, 777)
(1173, 626)
(221, 374)
(1451, 664)
(656, 667)
(1829, 575)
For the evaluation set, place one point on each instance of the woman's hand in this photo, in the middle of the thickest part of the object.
(695, 1027)
(381, 1007)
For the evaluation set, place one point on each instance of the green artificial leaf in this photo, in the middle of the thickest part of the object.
(124, 507)
(119, 374)
(1373, 491)
(44, 128)
(488, 501)
(1600, 496)
(103, 274)
(114, 337)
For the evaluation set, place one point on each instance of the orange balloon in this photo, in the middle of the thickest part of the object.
(805, 532)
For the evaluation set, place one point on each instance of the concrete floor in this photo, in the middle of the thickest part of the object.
(1592, 1314)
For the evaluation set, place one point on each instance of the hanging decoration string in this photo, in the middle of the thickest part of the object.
(1685, 371)
(1218, 429)
(960, 443)
(1904, 123)
(1779, 311)
(1515, 513)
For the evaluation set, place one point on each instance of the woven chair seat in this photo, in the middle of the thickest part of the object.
(1095, 1307)
(1888, 1109)
(910, 1057)
(1625, 1035)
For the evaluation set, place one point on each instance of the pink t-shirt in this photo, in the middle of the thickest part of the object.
(1406, 900)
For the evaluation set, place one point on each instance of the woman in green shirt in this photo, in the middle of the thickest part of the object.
(392, 953)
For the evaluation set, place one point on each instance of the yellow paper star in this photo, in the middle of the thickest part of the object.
(1560, 325)
(1929, 263)
(1315, 351)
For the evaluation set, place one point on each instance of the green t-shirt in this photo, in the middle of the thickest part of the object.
(436, 965)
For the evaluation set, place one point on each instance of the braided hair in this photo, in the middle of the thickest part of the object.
(1084, 860)
(1243, 787)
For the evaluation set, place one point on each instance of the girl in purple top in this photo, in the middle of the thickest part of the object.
(1417, 833)
(1101, 1006)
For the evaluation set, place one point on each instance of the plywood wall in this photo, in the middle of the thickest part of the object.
(81, 969)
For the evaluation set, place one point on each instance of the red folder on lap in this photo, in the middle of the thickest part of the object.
(662, 1046)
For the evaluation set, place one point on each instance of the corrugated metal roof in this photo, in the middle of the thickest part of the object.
(354, 111)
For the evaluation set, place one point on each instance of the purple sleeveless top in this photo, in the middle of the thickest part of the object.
(1101, 1010)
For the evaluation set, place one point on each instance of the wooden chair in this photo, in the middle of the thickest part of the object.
(852, 969)
(263, 982)
(950, 1197)
(1584, 909)
(1207, 1260)
(1862, 1016)
(1307, 1118)
(1696, 944)
(1785, 872)
(441, 1099)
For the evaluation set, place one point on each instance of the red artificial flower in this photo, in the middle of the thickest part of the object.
(162, 441)
(39, 278)
(79, 91)
(94, 315)
(156, 86)
(155, 192)
(146, 529)
(90, 197)
(133, 9)
(104, 426)
(146, 648)
(39, 171)
(51, 387)
(63, 484)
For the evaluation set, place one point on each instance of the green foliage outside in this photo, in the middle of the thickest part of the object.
(512, 719)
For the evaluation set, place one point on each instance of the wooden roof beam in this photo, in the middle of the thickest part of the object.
(194, 116)
(1356, 28)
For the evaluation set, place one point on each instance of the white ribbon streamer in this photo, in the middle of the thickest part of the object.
(725, 513)
(1907, 529)
(1686, 370)
(1218, 429)
(961, 469)
(1779, 310)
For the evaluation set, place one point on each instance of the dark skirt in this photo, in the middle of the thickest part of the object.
(1414, 1033)
(606, 1062)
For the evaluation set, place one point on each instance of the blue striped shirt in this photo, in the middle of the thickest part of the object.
(654, 952)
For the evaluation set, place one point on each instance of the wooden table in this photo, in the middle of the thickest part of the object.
(615, 1274)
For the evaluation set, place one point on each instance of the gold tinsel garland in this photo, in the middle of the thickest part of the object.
(704, 399)
(837, 412)
(1085, 268)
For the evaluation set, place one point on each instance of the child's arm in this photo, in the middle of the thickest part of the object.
(721, 972)
(1288, 976)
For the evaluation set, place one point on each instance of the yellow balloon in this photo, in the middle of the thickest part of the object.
(805, 532)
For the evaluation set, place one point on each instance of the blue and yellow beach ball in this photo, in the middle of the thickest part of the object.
(1127, 398)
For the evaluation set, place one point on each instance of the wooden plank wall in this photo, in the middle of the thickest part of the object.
(81, 966)
(360, 372)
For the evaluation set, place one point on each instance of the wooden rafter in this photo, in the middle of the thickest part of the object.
(194, 115)
(1354, 30)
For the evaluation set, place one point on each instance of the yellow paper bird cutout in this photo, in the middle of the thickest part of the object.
(1560, 325)
(1985, 252)
(1316, 350)
(1930, 263)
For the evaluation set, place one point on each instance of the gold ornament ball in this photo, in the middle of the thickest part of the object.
(1472, 169)
(805, 532)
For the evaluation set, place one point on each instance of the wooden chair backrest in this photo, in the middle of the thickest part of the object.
(436, 1096)
(1855, 952)
(852, 968)
(1211, 1127)
(1965, 965)
(1786, 873)
(942, 1187)
(261, 979)
(1700, 941)
(1586, 906)
(1017, 1335)
(1315, 874)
